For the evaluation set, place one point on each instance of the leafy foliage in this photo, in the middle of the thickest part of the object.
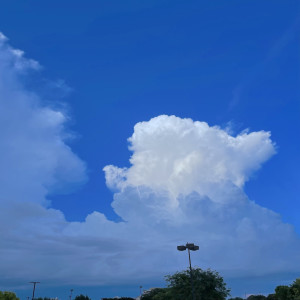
(82, 297)
(257, 297)
(8, 296)
(295, 289)
(208, 285)
(157, 294)
(122, 298)
(282, 292)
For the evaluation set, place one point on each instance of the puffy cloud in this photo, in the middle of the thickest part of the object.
(34, 157)
(185, 183)
(182, 156)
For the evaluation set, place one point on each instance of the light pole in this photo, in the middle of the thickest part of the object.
(34, 283)
(71, 291)
(192, 247)
(141, 289)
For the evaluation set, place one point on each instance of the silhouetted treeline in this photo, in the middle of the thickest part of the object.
(282, 292)
(122, 298)
(82, 297)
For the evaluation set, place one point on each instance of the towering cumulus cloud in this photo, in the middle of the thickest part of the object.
(185, 183)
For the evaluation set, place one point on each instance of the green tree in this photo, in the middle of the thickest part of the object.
(8, 296)
(236, 298)
(82, 297)
(208, 285)
(157, 294)
(272, 297)
(282, 292)
(122, 298)
(294, 290)
(257, 297)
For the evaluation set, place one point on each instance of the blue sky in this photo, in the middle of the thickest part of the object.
(106, 66)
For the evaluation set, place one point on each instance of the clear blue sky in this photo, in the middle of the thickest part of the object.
(228, 63)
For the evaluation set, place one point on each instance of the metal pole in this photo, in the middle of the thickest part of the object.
(34, 283)
(71, 290)
(33, 290)
(191, 273)
(141, 292)
(190, 260)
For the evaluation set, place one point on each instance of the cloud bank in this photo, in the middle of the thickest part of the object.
(34, 157)
(185, 183)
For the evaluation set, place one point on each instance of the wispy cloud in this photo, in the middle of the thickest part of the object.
(274, 51)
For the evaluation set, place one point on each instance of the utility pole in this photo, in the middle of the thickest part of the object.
(34, 283)
(141, 289)
(71, 290)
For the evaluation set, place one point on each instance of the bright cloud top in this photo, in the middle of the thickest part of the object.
(183, 156)
(185, 183)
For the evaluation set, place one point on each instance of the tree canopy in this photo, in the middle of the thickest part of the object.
(122, 298)
(257, 297)
(8, 296)
(82, 297)
(157, 294)
(295, 289)
(285, 292)
(208, 285)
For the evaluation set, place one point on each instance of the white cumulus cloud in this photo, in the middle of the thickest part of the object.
(186, 184)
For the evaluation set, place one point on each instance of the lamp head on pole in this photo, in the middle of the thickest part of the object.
(189, 246)
(181, 248)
